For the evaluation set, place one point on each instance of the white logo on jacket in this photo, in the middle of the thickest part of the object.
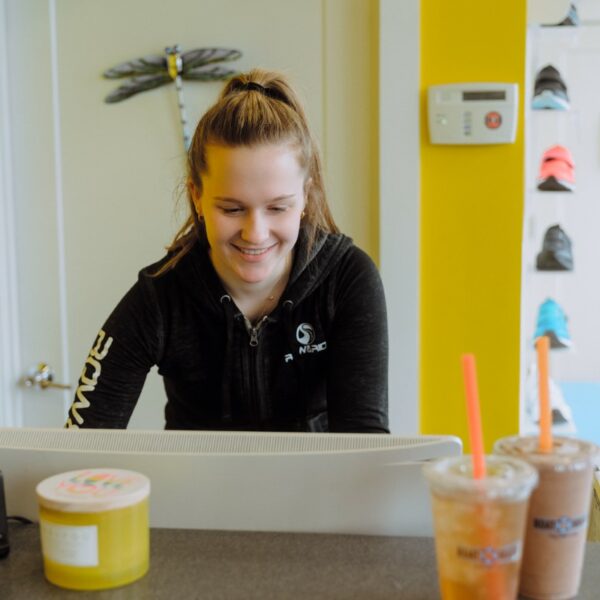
(305, 334)
(88, 382)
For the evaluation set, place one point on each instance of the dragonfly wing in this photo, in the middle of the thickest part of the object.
(209, 74)
(139, 66)
(137, 85)
(203, 56)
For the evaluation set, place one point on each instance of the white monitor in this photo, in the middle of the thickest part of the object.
(328, 483)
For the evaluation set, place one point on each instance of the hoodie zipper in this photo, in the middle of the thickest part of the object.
(253, 330)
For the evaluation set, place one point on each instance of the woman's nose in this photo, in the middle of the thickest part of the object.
(255, 228)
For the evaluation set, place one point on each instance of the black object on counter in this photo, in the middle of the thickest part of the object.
(4, 546)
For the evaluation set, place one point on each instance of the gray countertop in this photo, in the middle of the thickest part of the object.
(228, 565)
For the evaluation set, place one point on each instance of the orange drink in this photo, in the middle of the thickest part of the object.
(479, 525)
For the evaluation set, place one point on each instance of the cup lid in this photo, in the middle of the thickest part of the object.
(507, 478)
(92, 490)
(568, 454)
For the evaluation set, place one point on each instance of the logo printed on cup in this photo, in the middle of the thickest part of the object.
(490, 556)
(562, 526)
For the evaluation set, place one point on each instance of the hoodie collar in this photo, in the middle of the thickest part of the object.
(309, 268)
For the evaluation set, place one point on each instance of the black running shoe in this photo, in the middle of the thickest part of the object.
(556, 254)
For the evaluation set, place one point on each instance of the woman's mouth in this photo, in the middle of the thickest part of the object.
(251, 252)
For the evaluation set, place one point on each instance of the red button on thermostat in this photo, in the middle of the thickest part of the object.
(493, 120)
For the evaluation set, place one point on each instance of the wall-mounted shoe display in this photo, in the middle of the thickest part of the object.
(570, 20)
(557, 251)
(557, 170)
(550, 91)
(562, 415)
(552, 321)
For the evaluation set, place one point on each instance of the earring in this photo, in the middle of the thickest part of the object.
(303, 214)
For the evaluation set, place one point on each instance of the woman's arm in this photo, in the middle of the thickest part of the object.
(357, 382)
(114, 372)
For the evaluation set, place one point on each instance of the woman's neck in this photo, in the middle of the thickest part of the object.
(257, 299)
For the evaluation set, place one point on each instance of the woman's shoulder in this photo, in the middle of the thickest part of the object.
(357, 272)
(191, 279)
(162, 271)
(341, 247)
(352, 257)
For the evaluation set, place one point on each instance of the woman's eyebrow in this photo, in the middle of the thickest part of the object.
(277, 199)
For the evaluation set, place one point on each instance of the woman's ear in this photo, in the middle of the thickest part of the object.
(307, 187)
(195, 197)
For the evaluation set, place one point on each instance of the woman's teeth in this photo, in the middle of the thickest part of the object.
(252, 251)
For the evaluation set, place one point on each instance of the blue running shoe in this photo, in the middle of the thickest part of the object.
(552, 322)
(571, 20)
(550, 91)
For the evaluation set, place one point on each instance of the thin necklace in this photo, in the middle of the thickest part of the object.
(266, 306)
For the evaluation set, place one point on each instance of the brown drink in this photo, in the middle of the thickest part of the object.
(558, 515)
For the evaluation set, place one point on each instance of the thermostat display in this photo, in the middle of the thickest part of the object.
(473, 113)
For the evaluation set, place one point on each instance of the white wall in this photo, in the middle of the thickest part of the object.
(575, 52)
(399, 148)
(92, 175)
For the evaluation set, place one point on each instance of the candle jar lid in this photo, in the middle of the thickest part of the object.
(92, 490)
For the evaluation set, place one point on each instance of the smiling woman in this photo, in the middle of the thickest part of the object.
(252, 203)
(262, 316)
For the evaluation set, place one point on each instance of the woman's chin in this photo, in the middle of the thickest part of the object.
(254, 275)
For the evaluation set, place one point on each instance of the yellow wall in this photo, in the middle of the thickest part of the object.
(471, 221)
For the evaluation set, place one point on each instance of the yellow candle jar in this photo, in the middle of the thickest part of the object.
(94, 528)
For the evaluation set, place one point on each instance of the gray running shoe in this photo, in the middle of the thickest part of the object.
(550, 91)
(556, 254)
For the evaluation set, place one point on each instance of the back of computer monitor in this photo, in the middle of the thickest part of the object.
(328, 483)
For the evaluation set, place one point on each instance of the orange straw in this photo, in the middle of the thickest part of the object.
(474, 415)
(494, 578)
(542, 345)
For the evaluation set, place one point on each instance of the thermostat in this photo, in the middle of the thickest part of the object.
(473, 113)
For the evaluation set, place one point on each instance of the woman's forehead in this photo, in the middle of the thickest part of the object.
(267, 164)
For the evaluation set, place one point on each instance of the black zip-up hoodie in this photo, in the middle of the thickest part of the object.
(318, 362)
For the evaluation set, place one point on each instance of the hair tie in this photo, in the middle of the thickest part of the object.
(261, 89)
(255, 87)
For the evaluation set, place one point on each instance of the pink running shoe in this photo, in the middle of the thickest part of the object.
(556, 171)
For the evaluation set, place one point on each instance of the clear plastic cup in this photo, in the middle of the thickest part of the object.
(558, 514)
(479, 525)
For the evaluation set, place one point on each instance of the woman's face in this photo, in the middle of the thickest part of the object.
(252, 200)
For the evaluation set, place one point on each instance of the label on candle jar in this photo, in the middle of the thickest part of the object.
(76, 546)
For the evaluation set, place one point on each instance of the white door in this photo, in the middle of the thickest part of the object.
(87, 189)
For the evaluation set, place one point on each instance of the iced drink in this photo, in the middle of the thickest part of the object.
(479, 525)
(558, 514)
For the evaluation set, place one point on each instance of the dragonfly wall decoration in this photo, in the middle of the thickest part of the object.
(154, 71)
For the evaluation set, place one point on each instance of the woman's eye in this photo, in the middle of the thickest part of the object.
(231, 211)
(278, 208)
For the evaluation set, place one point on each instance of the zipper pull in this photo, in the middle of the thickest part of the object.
(253, 331)
(253, 336)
